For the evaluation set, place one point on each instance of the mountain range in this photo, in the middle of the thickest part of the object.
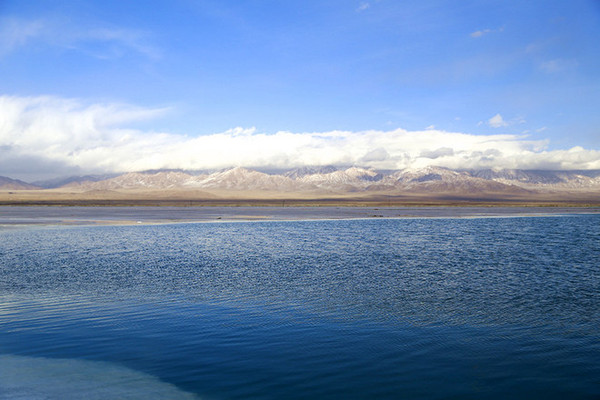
(331, 180)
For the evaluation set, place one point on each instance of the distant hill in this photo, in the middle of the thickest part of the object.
(15, 184)
(573, 179)
(434, 181)
(58, 182)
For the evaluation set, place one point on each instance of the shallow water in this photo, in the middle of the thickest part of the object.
(54, 215)
(380, 308)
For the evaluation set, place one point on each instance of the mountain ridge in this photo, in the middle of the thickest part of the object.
(334, 180)
(7, 183)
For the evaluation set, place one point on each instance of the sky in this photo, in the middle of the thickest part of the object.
(116, 86)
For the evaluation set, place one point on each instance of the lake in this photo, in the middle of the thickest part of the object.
(388, 308)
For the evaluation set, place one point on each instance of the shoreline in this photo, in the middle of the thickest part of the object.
(308, 202)
(264, 198)
(30, 215)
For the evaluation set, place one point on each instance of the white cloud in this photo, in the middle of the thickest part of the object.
(15, 33)
(119, 41)
(497, 121)
(437, 153)
(60, 135)
(558, 65)
(363, 6)
(482, 32)
(99, 42)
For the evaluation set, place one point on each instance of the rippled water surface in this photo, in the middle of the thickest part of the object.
(383, 308)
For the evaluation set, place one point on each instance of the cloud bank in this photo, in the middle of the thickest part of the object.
(49, 136)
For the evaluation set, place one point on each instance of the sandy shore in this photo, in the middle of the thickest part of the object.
(77, 215)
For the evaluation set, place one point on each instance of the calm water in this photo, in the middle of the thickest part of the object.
(381, 308)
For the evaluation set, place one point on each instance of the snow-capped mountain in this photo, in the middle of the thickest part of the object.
(303, 171)
(440, 180)
(332, 180)
(242, 179)
(350, 179)
(135, 180)
(540, 179)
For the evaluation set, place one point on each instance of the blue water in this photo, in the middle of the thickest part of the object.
(355, 309)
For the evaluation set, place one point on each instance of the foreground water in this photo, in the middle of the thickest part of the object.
(380, 308)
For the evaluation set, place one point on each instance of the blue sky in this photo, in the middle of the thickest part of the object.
(190, 69)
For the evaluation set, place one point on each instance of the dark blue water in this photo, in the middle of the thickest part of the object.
(362, 309)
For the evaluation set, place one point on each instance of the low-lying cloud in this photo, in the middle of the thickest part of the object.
(48, 136)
